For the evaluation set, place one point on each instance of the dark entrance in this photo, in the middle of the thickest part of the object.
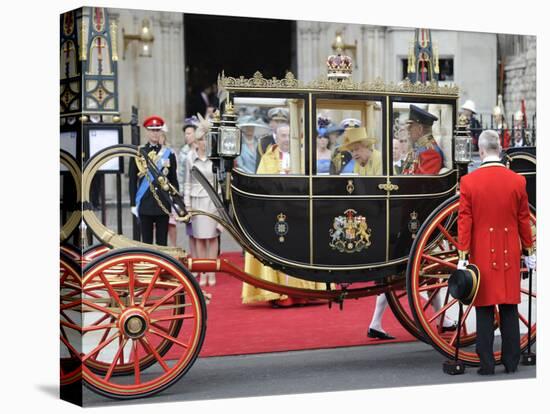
(236, 45)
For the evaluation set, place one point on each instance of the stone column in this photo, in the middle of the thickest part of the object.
(314, 50)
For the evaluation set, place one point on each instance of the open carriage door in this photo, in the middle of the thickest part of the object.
(349, 207)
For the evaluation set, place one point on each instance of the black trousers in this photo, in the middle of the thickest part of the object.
(159, 223)
(509, 329)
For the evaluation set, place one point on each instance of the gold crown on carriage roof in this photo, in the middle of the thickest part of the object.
(339, 64)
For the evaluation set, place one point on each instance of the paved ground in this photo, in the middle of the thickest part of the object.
(339, 369)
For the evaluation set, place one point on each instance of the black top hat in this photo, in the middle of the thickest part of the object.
(464, 284)
(421, 116)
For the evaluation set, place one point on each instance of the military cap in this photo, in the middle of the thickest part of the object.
(153, 122)
(350, 123)
(421, 116)
(278, 114)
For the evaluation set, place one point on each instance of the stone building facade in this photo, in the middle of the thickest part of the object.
(519, 56)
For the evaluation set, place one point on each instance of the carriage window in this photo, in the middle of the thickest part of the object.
(272, 135)
(349, 137)
(422, 138)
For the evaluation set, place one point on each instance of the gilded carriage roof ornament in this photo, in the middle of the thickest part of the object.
(289, 82)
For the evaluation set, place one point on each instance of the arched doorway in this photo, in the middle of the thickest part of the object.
(236, 45)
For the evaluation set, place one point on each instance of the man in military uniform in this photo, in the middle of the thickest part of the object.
(151, 215)
(276, 117)
(425, 156)
(493, 222)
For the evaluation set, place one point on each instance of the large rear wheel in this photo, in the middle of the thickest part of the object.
(433, 257)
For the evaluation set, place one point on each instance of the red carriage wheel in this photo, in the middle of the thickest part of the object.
(121, 368)
(427, 274)
(70, 288)
(93, 252)
(399, 305)
(134, 298)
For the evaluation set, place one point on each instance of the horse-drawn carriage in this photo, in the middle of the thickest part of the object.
(133, 317)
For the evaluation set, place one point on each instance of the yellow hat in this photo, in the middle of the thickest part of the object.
(357, 135)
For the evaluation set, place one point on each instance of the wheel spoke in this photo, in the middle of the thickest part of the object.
(137, 372)
(430, 299)
(462, 323)
(172, 318)
(442, 310)
(101, 320)
(150, 287)
(71, 349)
(99, 308)
(99, 327)
(432, 287)
(159, 332)
(166, 297)
(102, 345)
(70, 305)
(441, 262)
(131, 281)
(113, 364)
(152, 349)
(526, 292)
(67, 318)
(524, 320)
(112, 292)
(450, 238)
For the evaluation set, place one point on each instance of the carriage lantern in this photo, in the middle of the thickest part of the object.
(212, 137)
(229, 135)
(463, 141)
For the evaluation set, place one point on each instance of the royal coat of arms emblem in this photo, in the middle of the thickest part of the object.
(350, 233)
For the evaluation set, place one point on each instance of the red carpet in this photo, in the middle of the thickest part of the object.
(234, 328)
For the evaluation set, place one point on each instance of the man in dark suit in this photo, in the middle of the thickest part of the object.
(493, 221)
(276, 117)
(150, 214)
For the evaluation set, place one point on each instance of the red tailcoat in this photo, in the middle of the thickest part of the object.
(493, 225)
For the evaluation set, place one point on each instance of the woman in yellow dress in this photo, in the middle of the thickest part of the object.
(366, 160)
(276, 160)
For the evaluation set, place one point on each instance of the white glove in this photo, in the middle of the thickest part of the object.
(530, 261)
(462, 264)
(134, 211)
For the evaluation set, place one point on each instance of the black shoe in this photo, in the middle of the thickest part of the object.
(483, 371)
(510, 370)
(451, 328)
(374, 333)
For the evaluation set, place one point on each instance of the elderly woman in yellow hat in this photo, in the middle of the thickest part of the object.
(366, 160)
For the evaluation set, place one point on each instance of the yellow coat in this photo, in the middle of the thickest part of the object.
(270, 164)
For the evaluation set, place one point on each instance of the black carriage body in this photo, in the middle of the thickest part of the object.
(289, 220)
(523, 160)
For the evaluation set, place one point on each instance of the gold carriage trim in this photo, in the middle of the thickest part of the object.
(463, 254)
(323, 84)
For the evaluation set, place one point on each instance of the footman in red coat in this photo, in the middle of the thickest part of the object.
(493, 228)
